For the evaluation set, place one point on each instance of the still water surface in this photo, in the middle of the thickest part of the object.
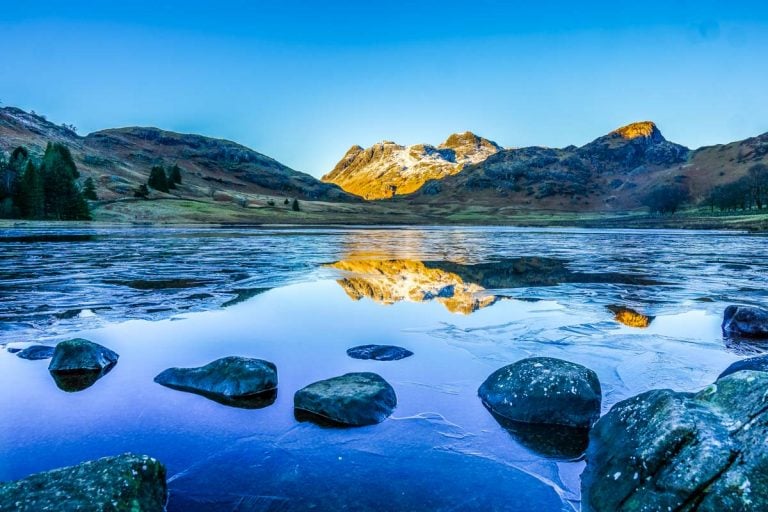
(465, 300)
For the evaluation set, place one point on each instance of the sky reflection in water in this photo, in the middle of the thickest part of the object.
(440, 437)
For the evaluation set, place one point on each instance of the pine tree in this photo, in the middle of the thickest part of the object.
(89, 190)
(30, 197)
(63, 199)
(157, 179)
(141, 192)
(174, 175)
(295, 205)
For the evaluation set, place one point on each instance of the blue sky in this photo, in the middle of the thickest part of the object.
(302, 81)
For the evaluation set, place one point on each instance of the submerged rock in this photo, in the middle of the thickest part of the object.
(745, 322)
(79, 355)
(353, 399)
(549, 441)
(233, 380)
(125, 482)
(544, 390)
(379, 352)
(36, 352)
(758, 364)
(664, 450)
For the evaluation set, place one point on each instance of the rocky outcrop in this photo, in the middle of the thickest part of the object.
(353, 399)
(379, 352)
(122, 483)
(79, 355)
(757, 364)
(745, 322)
(544, 390)
(664, 450)
(387, 169)
(232, 380)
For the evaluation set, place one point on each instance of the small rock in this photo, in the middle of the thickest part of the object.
(353, 399)
(745, 322)
(79, 355)
(36, 352)
(379, 352)
(125, 482)
(228, 379)
(544, 390)
(758, 364)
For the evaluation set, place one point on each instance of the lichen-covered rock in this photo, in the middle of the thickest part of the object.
(664, 450)
(231, 378)
(36, 352)
(79, 355)
(353, 399)
(130, 483)
(379, 352)
(745, 322)
(544, 390)
(758, 364)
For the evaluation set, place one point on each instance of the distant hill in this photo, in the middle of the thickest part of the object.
(387, 169)
(612, 173)
(120, 159)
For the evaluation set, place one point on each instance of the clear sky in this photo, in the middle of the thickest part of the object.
(301, 81)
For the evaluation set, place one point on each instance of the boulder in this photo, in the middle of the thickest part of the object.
(664, 450)
(36, 352)
(745, 322)
(379, 352)
(79, 355)
(758, 364)
(233, 380)
(354, 399)
(544, 390)
(125, 482)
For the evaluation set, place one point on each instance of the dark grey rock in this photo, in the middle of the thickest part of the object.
(758, 364)
(122, 483)
(379, 352)
(36, 352)
(79, 355)
(664, 450)
(353, 399)
(232, 380)
(745, 322)
(544, 390)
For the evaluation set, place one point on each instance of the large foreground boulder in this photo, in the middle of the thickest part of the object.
(664, 450)
(353, 399)
(79, 355)
(745, 322)
(544, 390)
(123, 483)
(379, 352)
(229, 379)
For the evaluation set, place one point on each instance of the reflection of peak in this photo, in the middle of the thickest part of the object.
(630, 317)
(391, 281)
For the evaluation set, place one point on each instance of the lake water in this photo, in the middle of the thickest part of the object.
(466, 301)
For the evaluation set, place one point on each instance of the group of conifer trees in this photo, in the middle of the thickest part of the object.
(47, 189)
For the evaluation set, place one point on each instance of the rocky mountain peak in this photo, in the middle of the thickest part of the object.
(642, 129)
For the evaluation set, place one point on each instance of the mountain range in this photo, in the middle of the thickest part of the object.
(390, 182)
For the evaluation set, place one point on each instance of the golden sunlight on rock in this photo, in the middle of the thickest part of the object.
(635, 130)
(391, 281)
(630, 317)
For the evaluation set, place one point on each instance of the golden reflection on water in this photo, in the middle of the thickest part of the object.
(395, 280)
(630, 317)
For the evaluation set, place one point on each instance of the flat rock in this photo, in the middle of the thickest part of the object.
(353, 399)
(758, 364)
(379, 352)
(664, 450)
(544, 390)
(36, 352)
(229, 378)
(79, 355)
(745, 322)
(126, 482)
